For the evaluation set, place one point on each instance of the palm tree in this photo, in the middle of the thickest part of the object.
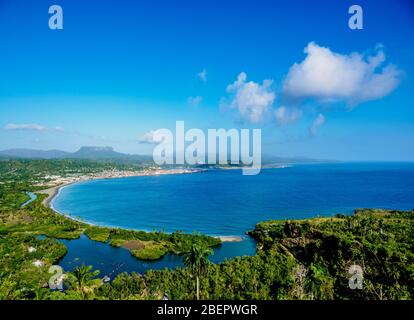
(83, 279)
(196, 259)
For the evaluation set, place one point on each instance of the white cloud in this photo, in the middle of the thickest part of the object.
(286, 115)
(330, 76)
(202, 75)
(250, 98)
(195, 101)
(319, 120)
(31, 126)
(151, 137)
(59, 129)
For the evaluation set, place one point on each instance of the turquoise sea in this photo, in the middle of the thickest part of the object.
(224, 202)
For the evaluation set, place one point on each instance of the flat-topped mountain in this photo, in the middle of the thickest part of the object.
(98, 152)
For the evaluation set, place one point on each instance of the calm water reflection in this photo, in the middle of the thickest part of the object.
(112, 261)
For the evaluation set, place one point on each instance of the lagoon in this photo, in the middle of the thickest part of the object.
(111, 261)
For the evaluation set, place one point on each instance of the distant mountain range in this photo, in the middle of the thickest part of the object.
(109, 154)
(33, 154)
(90, 153)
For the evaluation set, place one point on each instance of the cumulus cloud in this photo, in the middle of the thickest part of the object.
(195, 101)
(319, 120)
(202, 75)
(30, 126)
(286, 115)
(329, 76)
(151, 137)
(250, 98)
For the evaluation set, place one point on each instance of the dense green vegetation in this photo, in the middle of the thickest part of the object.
(380, 241)
(26, 258)
(307, 259)
(301, 259)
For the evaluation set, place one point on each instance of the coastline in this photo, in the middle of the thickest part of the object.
(230, 238)
(54, 191)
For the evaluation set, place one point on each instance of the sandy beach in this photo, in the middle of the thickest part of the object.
(52, 192)
(230, 238)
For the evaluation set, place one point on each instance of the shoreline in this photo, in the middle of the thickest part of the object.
(230, 238)
(54, 191)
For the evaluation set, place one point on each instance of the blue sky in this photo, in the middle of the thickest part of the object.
(120, 69)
